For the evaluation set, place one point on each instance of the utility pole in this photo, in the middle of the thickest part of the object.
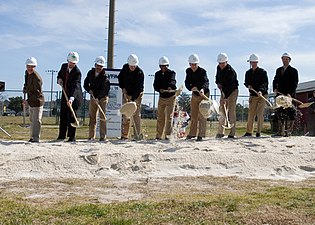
(51, 88)
(111, 29)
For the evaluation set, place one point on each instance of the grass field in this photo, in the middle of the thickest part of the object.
(227, 200)
(14, 126)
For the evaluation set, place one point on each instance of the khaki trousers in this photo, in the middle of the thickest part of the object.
(256, 108)
(164, 116)
(196, 118)
(36, 114)
(136, 117)
(231, 111)
(93, 112)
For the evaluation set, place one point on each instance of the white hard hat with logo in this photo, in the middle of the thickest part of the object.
(163, 61)
(100, 60)
(286, 54)
(31, 61)
(133, 60)
(194, 59)
(73, 57)
(253, 58)
(222, 57)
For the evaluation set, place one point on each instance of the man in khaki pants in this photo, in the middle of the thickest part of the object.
(196, 81)
(165, 84)
(256, 80)
(97, 85)
(226, 80)
(35, 98)
(131, 81)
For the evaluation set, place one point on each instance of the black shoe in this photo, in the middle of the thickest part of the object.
(102, 139)
(71, 140)
(123, 138)
(247, 134)
(257, 134)
(190, 137)
(30, 140)
(199, 138)
(33, 141)
(158, 139)
(219, 136)
(277, 135)
(231, 136)
(287, 134)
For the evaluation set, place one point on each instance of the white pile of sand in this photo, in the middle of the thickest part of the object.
(290, 158)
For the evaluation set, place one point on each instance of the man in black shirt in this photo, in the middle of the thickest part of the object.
(131, 81)
(196, 81)
(165, 84)
(256, 80)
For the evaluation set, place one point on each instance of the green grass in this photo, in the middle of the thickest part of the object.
(14, 126)
(265, 204)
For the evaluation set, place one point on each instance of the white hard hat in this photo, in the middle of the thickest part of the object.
(286, 54)
(73, 57)
(100, 60)
(133, 60)
(193, 58)
(163, 61)
(31, 61)
(222, 57)
(253, 58)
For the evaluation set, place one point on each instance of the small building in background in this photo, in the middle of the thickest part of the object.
(304, 91)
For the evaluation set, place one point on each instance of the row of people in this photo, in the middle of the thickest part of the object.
(131, 81)
(256, 80)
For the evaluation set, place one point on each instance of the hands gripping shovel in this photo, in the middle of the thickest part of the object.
(260, 95)
(100, 108)
(76, 123)
(302, 104)
(128, 109)
(227, 124)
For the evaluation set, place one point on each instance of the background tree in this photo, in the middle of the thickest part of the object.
(241, 112)
(15, 103)
(183, 102)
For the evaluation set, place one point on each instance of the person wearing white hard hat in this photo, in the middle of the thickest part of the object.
(226, 80)
(165, 84)
(97, 85)
(285, 83)
(131, 81)
(35, 98)
(69, 77)
(256, 80)
(197, 82)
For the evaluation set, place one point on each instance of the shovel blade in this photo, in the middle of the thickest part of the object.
(75, 124)
(229, 126)
(305, 105)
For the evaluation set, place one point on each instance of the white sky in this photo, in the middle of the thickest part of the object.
(49, 29)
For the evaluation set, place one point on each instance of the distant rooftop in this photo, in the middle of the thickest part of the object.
(306, 86)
